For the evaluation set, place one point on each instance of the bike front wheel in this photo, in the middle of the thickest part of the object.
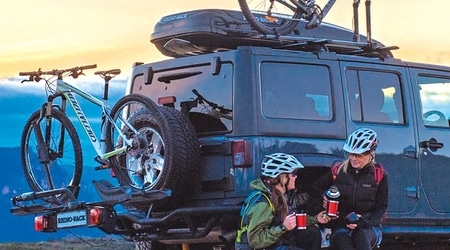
(51, 155)
(277, 17)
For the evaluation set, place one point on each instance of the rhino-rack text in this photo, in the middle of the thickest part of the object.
(72, 219)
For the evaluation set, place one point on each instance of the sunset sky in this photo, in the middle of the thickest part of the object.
(115, 33)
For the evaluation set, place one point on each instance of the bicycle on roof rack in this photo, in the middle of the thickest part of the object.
(51, 150)
(279, 17)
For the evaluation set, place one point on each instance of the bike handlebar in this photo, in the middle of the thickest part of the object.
(75, 72)
(212, 104)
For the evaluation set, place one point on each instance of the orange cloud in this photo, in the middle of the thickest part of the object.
(115, 33)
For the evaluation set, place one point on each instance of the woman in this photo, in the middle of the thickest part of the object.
(363, 188)
(266, 219)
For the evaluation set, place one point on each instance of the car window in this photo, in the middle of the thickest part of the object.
(296, 91)
(434, 97)
(180, 84)
(374, 96)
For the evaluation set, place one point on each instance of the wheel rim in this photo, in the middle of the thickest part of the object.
(145, 160)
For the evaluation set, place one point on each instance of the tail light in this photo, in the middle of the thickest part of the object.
(40, 223)
(96, 216)
(242, 153)
(45, 223)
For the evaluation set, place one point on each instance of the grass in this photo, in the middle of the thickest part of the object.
(106, 243)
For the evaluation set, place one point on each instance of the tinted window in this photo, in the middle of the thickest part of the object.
(374, 96)
(296, 91)
(434, 96)
(180, 83)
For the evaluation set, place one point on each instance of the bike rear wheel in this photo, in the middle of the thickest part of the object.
(164, 149)
(128, 117)
(56, 163)
(276, 17)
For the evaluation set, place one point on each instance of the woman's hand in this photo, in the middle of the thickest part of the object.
(352, 226)
(323, 218)
(290, 222)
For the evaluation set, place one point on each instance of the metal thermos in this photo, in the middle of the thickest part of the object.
(332, 195)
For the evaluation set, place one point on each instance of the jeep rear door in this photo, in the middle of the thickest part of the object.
(376, 97)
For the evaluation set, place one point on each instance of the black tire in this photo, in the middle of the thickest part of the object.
(163, 150)
(187, 152)
(65, 167)
(256, 11)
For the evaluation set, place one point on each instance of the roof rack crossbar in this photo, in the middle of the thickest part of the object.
(356, 47)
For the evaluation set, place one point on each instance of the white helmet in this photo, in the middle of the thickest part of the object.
(361, 141)
(279, 163)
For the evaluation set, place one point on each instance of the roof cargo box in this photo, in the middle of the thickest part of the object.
(211, 30)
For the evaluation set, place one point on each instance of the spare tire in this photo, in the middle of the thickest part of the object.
(166, 157)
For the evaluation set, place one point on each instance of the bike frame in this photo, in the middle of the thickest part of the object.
(327, 7)
(68, 93)
(303, 5)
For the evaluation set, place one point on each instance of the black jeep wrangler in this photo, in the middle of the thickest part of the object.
(230, 96)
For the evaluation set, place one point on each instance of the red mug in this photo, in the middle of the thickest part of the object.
(301, 220)
(332, 208)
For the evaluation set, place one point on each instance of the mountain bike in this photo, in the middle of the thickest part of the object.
(278, 17)
(51, 150)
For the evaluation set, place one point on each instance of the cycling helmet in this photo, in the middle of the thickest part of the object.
(361, 141)
(279, 163)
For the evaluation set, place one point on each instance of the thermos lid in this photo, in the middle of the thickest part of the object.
(333, 192)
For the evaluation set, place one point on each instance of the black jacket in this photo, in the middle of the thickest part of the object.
(360, 193)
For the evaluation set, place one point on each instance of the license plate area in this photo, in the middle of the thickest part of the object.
(71, 219)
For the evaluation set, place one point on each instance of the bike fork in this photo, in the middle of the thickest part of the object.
(43, 148)
(43, 152)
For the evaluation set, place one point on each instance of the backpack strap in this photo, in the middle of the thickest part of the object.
(379, 172)
(378, 168)
(335, 169)
(253, 198)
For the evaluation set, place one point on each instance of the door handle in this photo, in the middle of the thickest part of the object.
(432, 144)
